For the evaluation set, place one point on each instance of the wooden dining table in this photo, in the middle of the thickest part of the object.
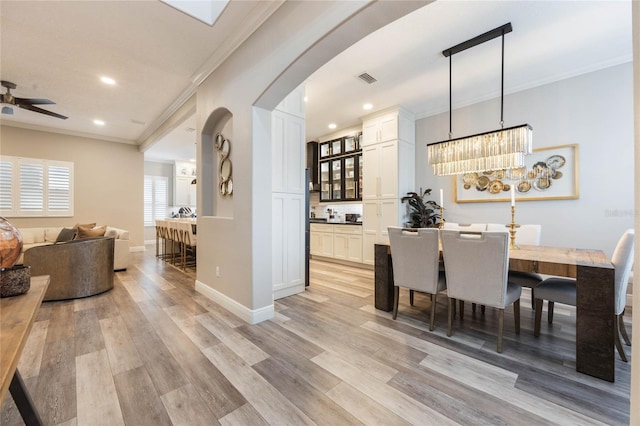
(17, 315)
(595, 288)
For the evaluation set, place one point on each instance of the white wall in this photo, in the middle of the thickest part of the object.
(595, 111)
(296, 40)
(108, 178)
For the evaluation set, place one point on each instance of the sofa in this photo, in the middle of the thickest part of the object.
(77, 268)
(34, 237)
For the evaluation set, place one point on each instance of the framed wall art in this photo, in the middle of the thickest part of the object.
(549, 174)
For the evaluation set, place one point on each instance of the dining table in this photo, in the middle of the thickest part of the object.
(595, 296)
(17, 315)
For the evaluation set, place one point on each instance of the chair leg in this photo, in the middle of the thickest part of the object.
(411, 297)
(482, 309)
(616, 336)
(452, 306)
(432, 323)
(516, 315)
(396, 296)
(550, 312)
(623, 329)
(462, 309)
(500, 326)
(473, 308)
(533, 298)
(536, 327)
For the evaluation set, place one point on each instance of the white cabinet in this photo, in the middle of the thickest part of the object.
(347, 242)
(377, 216)
(388, 153)
(380, 128)
(380, 168)
(343, 242)
(321, 236)
(182, 192)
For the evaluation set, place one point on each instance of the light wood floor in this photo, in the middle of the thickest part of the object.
(153, 351)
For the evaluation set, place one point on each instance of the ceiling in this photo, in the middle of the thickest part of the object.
(59, 49)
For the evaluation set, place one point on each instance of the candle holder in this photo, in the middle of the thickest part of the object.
(441, 224)
(512, 228)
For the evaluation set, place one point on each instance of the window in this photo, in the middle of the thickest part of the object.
(156, 195)
(35, 187)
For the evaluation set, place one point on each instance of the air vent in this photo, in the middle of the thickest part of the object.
(367, 78)
(189, 130)
(142, 123)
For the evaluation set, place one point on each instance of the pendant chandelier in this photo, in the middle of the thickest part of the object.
(496, 150)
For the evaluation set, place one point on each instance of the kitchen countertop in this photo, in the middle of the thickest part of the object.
(322, 220)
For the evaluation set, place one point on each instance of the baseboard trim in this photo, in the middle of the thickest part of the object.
(279, 293)
(136, 248)
(251, 316)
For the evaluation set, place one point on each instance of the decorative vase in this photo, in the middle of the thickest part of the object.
(10, 243)
(14, 280)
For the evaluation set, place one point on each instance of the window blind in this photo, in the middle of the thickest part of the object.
(35, 187)
(156, 195)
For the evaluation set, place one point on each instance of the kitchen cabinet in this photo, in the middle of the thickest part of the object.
(321, 243)
(341, 242)
(340, 178)
(377, 216)
(313, 166)
(347, 242)
(388, 151)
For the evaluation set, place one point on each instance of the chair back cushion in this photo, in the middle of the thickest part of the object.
(415, 255)
(622, 260)
(476, 266)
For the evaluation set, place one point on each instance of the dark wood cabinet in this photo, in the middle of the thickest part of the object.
(313, 166)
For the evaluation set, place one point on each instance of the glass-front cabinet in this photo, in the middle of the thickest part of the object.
(341, 169)
(336, 179)
(325, 181)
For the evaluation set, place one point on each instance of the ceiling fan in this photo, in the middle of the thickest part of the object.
(8, 100)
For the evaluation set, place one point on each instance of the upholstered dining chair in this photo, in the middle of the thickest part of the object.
(525, 235)
(563, 290)
(476, 268)
(415, 255)
(465, 227)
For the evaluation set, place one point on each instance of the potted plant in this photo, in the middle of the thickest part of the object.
(423, 214)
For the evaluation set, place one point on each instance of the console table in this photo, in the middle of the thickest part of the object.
(595, 296)
(17, 315)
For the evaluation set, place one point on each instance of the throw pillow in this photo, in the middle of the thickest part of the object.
(66, 234)
(86, 232)
(85, 225)
(111, 233)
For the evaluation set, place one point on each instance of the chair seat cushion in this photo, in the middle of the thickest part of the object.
(561, 290)
(525, 279)
(513, 293)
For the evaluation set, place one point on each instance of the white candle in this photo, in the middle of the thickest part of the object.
(441, 197)
(513, 196)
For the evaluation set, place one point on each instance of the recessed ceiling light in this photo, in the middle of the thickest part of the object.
(98, 122)
(332, 126)
(305, 99)
(367, 106)
(193, 160)
(107, 80)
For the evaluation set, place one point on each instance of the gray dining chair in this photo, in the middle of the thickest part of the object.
(530, 235)
(415, 254)
(563, 290)
(476, 267)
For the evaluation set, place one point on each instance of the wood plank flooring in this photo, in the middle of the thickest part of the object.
(154, 352)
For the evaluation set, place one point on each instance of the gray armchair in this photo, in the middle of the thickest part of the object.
(476, 267)
(77, 268)
(415, 255)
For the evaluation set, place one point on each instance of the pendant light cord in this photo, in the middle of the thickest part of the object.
(450, 106)
(502, 87)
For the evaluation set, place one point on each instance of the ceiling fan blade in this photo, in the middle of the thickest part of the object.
(42, 111)
(33, 101)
